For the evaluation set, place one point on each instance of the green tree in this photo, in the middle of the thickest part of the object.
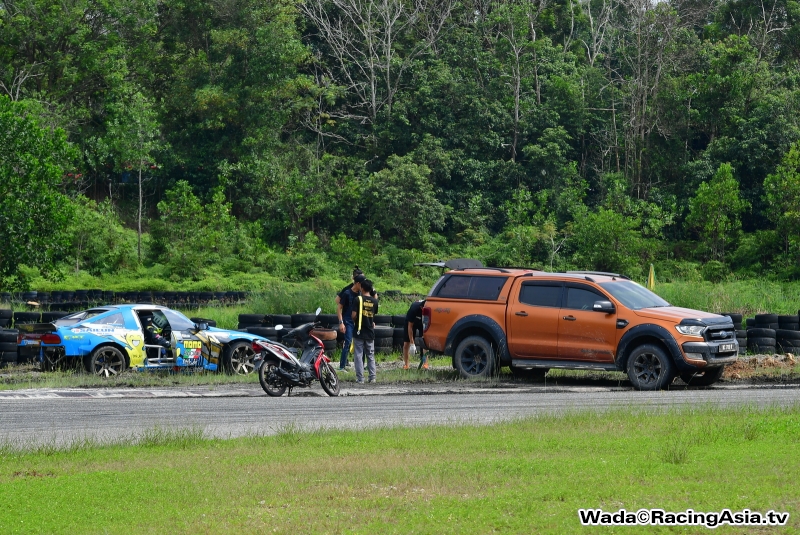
(99, 242)
(403, 202)
(609, 241)
(782, 191)
(715, 210)
(34, 213)
(133, 137)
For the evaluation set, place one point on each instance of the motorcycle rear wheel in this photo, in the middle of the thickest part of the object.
(328, 379)
(273, 386)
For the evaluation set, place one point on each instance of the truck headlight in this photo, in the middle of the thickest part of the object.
(691, 330)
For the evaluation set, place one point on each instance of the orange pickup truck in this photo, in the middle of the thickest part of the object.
(532, 321)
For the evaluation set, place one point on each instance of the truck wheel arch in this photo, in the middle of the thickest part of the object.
(649, 334)
(479, 325)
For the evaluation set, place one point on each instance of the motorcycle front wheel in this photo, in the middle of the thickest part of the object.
(270, 382)
(328, 379)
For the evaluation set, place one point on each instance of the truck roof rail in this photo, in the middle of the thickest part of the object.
(603, 273)
(501, 270)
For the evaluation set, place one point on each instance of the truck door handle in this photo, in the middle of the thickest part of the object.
(521, 313)
(570, 318)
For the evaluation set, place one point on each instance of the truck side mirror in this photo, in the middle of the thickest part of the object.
(606, 307)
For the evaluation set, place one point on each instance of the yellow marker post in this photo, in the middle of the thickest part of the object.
(651, 279)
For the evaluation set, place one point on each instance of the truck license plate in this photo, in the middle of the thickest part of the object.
(724, 348)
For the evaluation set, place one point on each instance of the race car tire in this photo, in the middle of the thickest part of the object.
(53, 315)
(786, 334)
(8, 347)
(8, 358)
(735, 318)
(238, 358)
(399, 321)
(282, 319)
(6, 313)
(9, 335)
(302, 319)
(329, 321)
(758, 332)
(22, 318)
(383, 332)
(105, 361)
(383, 320)
(252, 319)
(263, 331)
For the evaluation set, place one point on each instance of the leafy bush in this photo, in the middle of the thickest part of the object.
(715, 271)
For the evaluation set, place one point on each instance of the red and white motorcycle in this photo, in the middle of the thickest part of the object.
(279, 368)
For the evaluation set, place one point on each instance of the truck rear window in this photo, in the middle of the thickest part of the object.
(469, 287)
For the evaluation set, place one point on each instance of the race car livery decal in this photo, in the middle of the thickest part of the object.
(135, 342)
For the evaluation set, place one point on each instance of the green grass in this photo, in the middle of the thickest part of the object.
(524, 476)
(746, 297)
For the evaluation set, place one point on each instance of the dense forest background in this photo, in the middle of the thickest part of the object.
(295, 137)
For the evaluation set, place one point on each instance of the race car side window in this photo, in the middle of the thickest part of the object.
(112, 319)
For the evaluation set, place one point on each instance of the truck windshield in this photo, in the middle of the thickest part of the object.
(632, 295)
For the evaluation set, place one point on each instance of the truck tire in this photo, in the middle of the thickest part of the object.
(474, 358)
(703, 378)
(650, 368)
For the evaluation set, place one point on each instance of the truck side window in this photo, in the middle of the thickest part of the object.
(582, 298)
(468, 287)
(455, 286)
(540, 295)
(486, 287)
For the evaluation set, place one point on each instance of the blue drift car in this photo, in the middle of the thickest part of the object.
(107, 340)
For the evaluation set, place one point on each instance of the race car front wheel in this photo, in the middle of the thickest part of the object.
(105, 361)
(239, 359)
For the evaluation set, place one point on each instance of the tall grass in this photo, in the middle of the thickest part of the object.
(745, 297)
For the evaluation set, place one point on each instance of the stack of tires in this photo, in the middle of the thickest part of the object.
(258, 324)
(787, 336)
(399, 324)
(741, 334)
(5, 317)
(25, 353)
(384, 334)
(761, 337)
(8, 347)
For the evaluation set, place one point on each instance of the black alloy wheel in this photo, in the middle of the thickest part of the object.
(649, 368)
(239, 359)
(106, 361)
(474, 357)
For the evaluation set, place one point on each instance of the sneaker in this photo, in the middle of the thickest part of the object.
(372, 380)
(360, 381)
(425, 366)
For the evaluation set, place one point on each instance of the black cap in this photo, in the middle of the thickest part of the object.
(359, 278)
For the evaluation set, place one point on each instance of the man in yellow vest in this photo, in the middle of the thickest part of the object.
(365, 308)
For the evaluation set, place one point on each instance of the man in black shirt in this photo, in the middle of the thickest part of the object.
(344, 309)
(413, 328)
(364, 311)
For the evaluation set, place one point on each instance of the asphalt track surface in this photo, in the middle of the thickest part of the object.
(62, 416)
